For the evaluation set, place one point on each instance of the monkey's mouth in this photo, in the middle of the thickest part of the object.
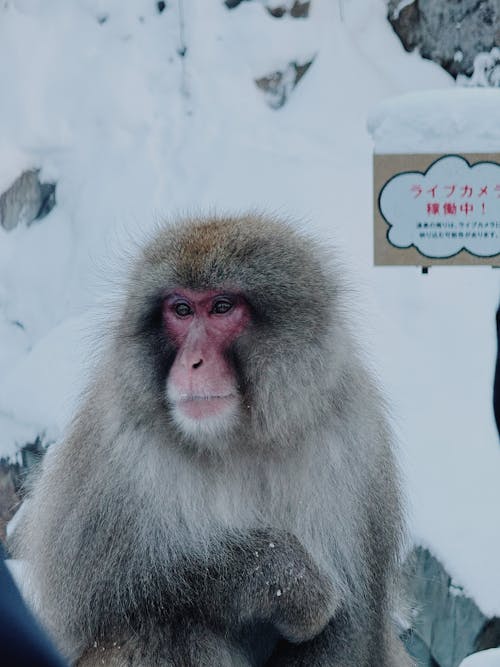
(203, 398)
(201, 407)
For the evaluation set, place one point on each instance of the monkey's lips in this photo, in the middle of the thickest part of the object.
(201, 407)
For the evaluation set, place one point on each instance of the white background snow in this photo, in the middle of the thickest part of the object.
(133, 133)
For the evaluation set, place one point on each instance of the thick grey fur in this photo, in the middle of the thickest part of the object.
(274, 541)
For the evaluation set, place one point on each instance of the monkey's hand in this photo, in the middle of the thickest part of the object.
(278, 582)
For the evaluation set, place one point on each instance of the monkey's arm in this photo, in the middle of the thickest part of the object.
(344, 643)
(265, 577)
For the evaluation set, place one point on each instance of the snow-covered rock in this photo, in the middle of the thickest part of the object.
(298, 9)
(26, 200)
(449, 32)
(446, 624)
(486, 70)
(462, 120)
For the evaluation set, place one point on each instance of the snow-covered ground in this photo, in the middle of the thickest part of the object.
(96, 95)
(462, 120)
(489, 658)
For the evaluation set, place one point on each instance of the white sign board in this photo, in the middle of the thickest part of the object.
(450, 208)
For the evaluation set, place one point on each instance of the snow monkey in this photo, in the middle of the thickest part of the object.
(227, 494)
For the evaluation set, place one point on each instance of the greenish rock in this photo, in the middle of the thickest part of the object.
(446, 624)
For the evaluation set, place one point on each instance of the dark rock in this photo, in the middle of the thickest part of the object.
(449, 32)
(406, 23)
(446, 625)
(297, 9)
(21, 202)
(31, 455)
(490, 635)
(48, 199)
(26, 200)
(300, 10)
(9, 497)
(15, 479)
(418, 649)
(277, 12)
(278, 85)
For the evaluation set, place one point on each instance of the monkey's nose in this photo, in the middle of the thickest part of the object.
(198, 363)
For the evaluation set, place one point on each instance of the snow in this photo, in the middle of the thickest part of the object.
(463, 120)
(490, 658)
(133, 133)
(486, 70)
(47, 380)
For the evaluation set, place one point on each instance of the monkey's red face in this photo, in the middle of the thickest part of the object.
(202, 385)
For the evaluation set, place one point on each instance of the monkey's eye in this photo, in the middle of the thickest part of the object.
(182, 309)
(221, 306)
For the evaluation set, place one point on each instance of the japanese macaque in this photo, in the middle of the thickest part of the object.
(227, 494)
